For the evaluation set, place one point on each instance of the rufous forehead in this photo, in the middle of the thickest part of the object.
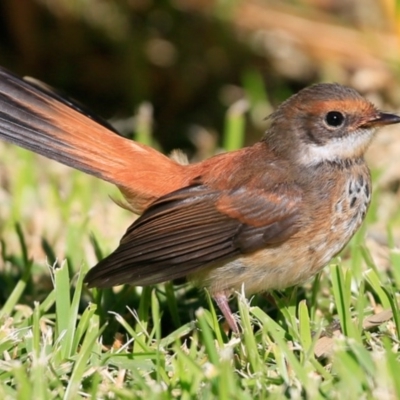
(349, 106)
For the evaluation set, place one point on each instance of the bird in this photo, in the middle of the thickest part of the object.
(267, 216)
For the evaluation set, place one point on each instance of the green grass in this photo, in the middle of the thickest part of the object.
(60, 340)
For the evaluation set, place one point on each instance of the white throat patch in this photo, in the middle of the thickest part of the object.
(340, 148)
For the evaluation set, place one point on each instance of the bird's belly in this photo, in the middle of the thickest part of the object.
(300, 257)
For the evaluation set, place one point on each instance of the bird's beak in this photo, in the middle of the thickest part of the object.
(382, 119)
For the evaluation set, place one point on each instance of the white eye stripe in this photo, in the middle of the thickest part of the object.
(348, 146)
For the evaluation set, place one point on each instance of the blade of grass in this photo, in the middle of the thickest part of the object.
(92, 334)
(207, 336)
(23, 383)
(88, 315)
(155, 310)
(214, 319)
(235, 125)
(36, 333)
(341, 285)
(373, 279)
(143, 128)
(304, 328)
(63, 300)
(38, 378)
(67, 344)
(392, 363)
(17, 292)
(172, 304)
(250, 344)
(395, 309)
(394, 256)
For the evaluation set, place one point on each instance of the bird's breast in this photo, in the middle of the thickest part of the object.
(328, 227)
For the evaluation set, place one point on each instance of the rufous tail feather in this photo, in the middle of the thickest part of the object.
(39, 119)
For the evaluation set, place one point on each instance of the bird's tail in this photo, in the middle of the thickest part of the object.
(35, 117)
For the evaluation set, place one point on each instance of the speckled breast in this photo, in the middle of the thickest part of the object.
(348, 213)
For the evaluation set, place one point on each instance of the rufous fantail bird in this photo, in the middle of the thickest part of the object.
(267, 216)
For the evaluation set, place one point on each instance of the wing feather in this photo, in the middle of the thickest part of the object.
(196, 227)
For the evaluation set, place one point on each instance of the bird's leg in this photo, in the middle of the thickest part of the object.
(222, 301)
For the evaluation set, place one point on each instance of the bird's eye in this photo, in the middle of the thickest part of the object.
(334, 118)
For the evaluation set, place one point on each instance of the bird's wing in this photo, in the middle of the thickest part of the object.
(196, 227)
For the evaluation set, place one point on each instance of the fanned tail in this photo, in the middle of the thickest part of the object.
(35, 117)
